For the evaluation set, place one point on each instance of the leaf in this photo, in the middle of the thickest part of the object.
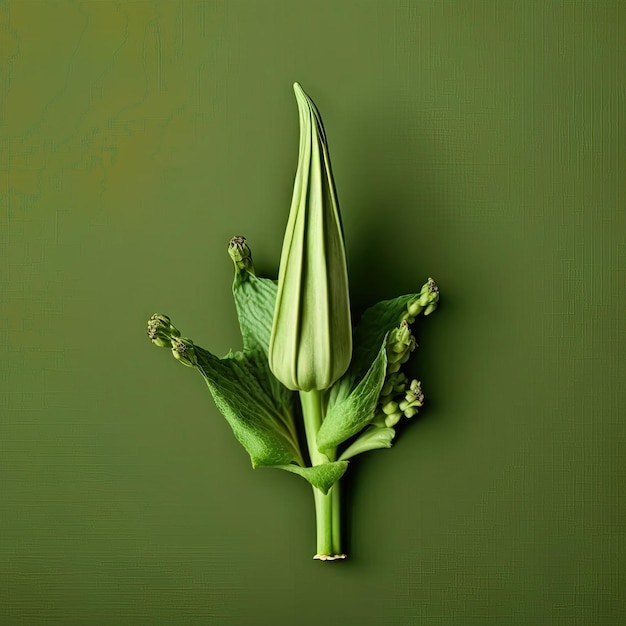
(322, 476)
(373, 438)
(255, 299)
(259, 420)
(374, 324)
(347, 417)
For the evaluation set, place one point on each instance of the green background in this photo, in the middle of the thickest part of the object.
(480, 142)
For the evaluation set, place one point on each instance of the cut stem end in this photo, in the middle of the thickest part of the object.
(330, 557)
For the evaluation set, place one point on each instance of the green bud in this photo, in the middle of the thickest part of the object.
(392, 419)
(408, 318)
(161, 330)
(399, 387)
(390, 407)
(414, 308)
(183, 351)
(429, 293)
(415, 394)
(400, 344)
(159, 318)
(400, 335)
(160, 342)
(426, 301)
(392, 368)
(413, 400)
(379, 420)
(311, 341)
(394, 357)
(240, 254)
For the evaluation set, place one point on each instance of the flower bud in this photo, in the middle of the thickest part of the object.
(311, 341)
(392, 419)
(414, 308)
(392, 368)
(161, 330)
(415, 394)
(390, 407)
(400, 344)
(425, 301)
(240, 254)
(413, 400)
(183, 351)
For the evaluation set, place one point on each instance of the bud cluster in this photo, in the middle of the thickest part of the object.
(400, 344)
(425, 301)
(399, 396)
(164, 334)
(240, 254)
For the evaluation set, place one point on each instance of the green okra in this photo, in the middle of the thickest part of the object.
(300, 348)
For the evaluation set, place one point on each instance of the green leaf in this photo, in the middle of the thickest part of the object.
(322, 476)
(373, 438)
(255, 299)
(261, 421)
(374, 324)
(350, 415)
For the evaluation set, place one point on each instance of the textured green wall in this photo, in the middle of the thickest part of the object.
(480, 142)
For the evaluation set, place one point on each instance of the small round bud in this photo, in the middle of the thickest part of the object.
(399, 387)
(392, 419)
(414, 308)
(160, 342)
(394, 357)
(390, 407)
(183, 351)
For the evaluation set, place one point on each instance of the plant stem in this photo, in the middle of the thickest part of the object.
(327, 507)
(336, 517)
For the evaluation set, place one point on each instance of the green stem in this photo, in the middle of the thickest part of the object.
(327, 507)
(336, 517)
(313, 414)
